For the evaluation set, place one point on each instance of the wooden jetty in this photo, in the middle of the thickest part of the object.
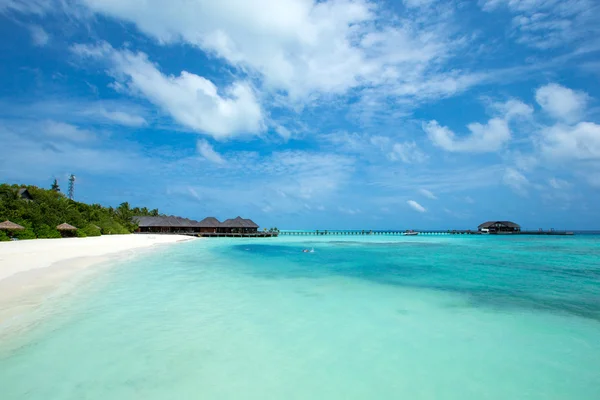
(358, 233)
(245, 235)
(424, 232)
(214, 234)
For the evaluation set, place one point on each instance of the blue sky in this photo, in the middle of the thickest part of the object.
(310, 114)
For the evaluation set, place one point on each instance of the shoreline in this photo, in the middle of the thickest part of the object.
(31, 271)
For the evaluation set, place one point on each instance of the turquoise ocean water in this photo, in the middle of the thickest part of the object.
(360, 318)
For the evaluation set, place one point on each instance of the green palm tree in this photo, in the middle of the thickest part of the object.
(55, 186)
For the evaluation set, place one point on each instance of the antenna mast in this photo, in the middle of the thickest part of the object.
(71, 186)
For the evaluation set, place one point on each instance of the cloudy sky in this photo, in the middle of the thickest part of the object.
(310, 114)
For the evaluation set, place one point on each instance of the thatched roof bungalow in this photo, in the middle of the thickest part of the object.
(238, 225)
(165, 224)
(24, 194)
(170, 224)
(499, 226)
(209, 225)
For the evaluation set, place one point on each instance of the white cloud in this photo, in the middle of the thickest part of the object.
(49, 131)
(416, 206)
(580, 142)
(358, 143)
(299, 46)
(307, 175)
(513, 109)
(418, 3)
(561, 103)
(284, 132)
(191, 100)
(308, 48)
(121, 117)
(373, 146)
(66, 131)
(407, 152)
(546, 24)
(428, 194)
(346, 141)
(53, 148)
(39, 7)
(206, 150)
(282, 182)
(558, 184)
(486, 138)
(438, 180)
(516, 181)
(483, 138)
(39, 37)
(524, 161)
(78, 111)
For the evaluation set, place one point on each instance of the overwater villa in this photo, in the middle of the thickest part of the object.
(208, 227)
(166, 224)
(238, 225)
(499, 227)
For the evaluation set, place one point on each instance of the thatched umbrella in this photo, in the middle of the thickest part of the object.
(10, 226)
(65, 227)
(66, 230)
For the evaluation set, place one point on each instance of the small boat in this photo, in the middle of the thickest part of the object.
(410, 233)
(308, 251)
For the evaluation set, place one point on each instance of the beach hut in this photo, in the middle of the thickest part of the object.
(10, 226)
(66, 230)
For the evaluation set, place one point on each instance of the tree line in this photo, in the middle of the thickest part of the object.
(49, 208)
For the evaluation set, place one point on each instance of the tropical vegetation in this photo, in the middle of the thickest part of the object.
(46, 209)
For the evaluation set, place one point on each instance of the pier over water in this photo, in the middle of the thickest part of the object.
(420, 232)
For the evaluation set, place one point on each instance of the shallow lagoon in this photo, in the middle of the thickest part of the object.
(361, 318)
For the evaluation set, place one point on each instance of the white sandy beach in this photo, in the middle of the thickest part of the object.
(26, 255)
(30, 270)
